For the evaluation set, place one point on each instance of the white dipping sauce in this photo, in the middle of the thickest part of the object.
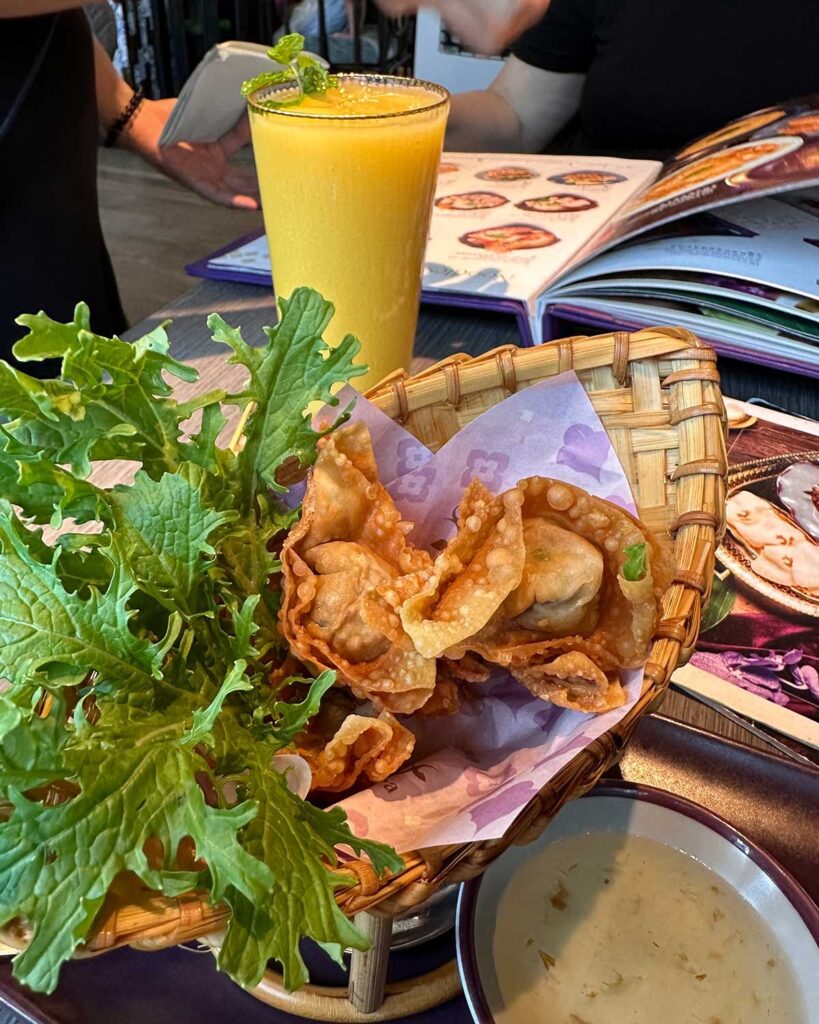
(610, 928)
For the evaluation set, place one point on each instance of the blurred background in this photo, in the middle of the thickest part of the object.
(153, 226)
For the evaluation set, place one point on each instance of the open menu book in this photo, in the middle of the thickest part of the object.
(535, 235)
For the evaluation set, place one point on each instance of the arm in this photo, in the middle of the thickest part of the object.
(521, 110)
(204, 167)
(28, 8)
(487, 26)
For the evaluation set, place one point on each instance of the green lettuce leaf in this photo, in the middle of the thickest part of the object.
(57, 863)
(50, 634)
(262, 931)
(164, 531)
(294, 364)
(137, 644)
(120, 405)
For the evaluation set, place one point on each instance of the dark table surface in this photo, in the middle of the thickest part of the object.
(442, 331)
(128, 987)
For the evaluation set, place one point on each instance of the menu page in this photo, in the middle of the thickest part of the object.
(768, 151)
(767, 241)
(504, 225)
(758, 650)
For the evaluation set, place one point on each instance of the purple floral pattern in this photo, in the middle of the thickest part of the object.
(414, 488)
(585, 450)
(487, 466)
(806, 677)
(479, 783)
(788, 678)
(411, 456)
(502, 805)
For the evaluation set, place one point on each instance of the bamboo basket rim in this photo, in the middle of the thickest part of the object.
(691, 404)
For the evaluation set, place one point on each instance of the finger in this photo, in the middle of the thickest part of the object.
(242, 179)
(221, 193)
(236, 137)
(240, 202)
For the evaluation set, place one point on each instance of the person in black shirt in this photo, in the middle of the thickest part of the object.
(485, 26)
(639, 77)
(59, 96)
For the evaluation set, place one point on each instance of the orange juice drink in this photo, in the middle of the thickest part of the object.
(347, 181)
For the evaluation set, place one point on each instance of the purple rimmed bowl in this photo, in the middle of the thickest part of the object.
(500, 992)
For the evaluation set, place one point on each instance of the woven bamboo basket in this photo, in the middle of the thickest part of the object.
(657, 394)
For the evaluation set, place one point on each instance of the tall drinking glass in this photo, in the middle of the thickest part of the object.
(347, 181)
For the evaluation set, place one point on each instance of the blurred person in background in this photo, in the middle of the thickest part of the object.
(484, 26)
(627, 77)
(60, 96)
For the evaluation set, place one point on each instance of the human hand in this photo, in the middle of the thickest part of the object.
(485, 26)
(204, 167)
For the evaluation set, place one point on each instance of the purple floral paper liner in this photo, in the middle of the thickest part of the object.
(459, 789)
(784, 881)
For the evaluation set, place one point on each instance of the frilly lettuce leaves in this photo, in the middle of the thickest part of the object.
(137, 717)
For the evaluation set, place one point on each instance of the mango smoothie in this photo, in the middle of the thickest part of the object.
(347, 181)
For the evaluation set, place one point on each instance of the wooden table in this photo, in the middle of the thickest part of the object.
(440, 333)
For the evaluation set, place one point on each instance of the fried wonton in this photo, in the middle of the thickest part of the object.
(566, 619)
(348, 741)
(477, 569)
(347, 567)
(586, 620)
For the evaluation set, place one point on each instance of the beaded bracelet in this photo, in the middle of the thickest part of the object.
(117, 127)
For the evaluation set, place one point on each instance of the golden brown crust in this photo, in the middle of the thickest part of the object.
(347, 742)
(346, 568)
(613, 619)
(573, 681)
(471, 576)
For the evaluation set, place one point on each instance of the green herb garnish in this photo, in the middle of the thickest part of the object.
(635, 565)
(303, 70)
(139, 699)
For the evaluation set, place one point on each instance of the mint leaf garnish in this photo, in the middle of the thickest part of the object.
(301, 69)
(287, 48)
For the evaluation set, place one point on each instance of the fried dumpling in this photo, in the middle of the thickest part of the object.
(472, 576)
(347, 567)
(349, 741)
(566, 618)
(572, 680)
(595, 610)
(559, 592)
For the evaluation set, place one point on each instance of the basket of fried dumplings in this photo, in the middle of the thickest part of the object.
(533, 580)
(563, 594)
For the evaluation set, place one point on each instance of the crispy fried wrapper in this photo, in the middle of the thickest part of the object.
(474, 573)
(569, 620)
(348, 741)
(347, 567)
